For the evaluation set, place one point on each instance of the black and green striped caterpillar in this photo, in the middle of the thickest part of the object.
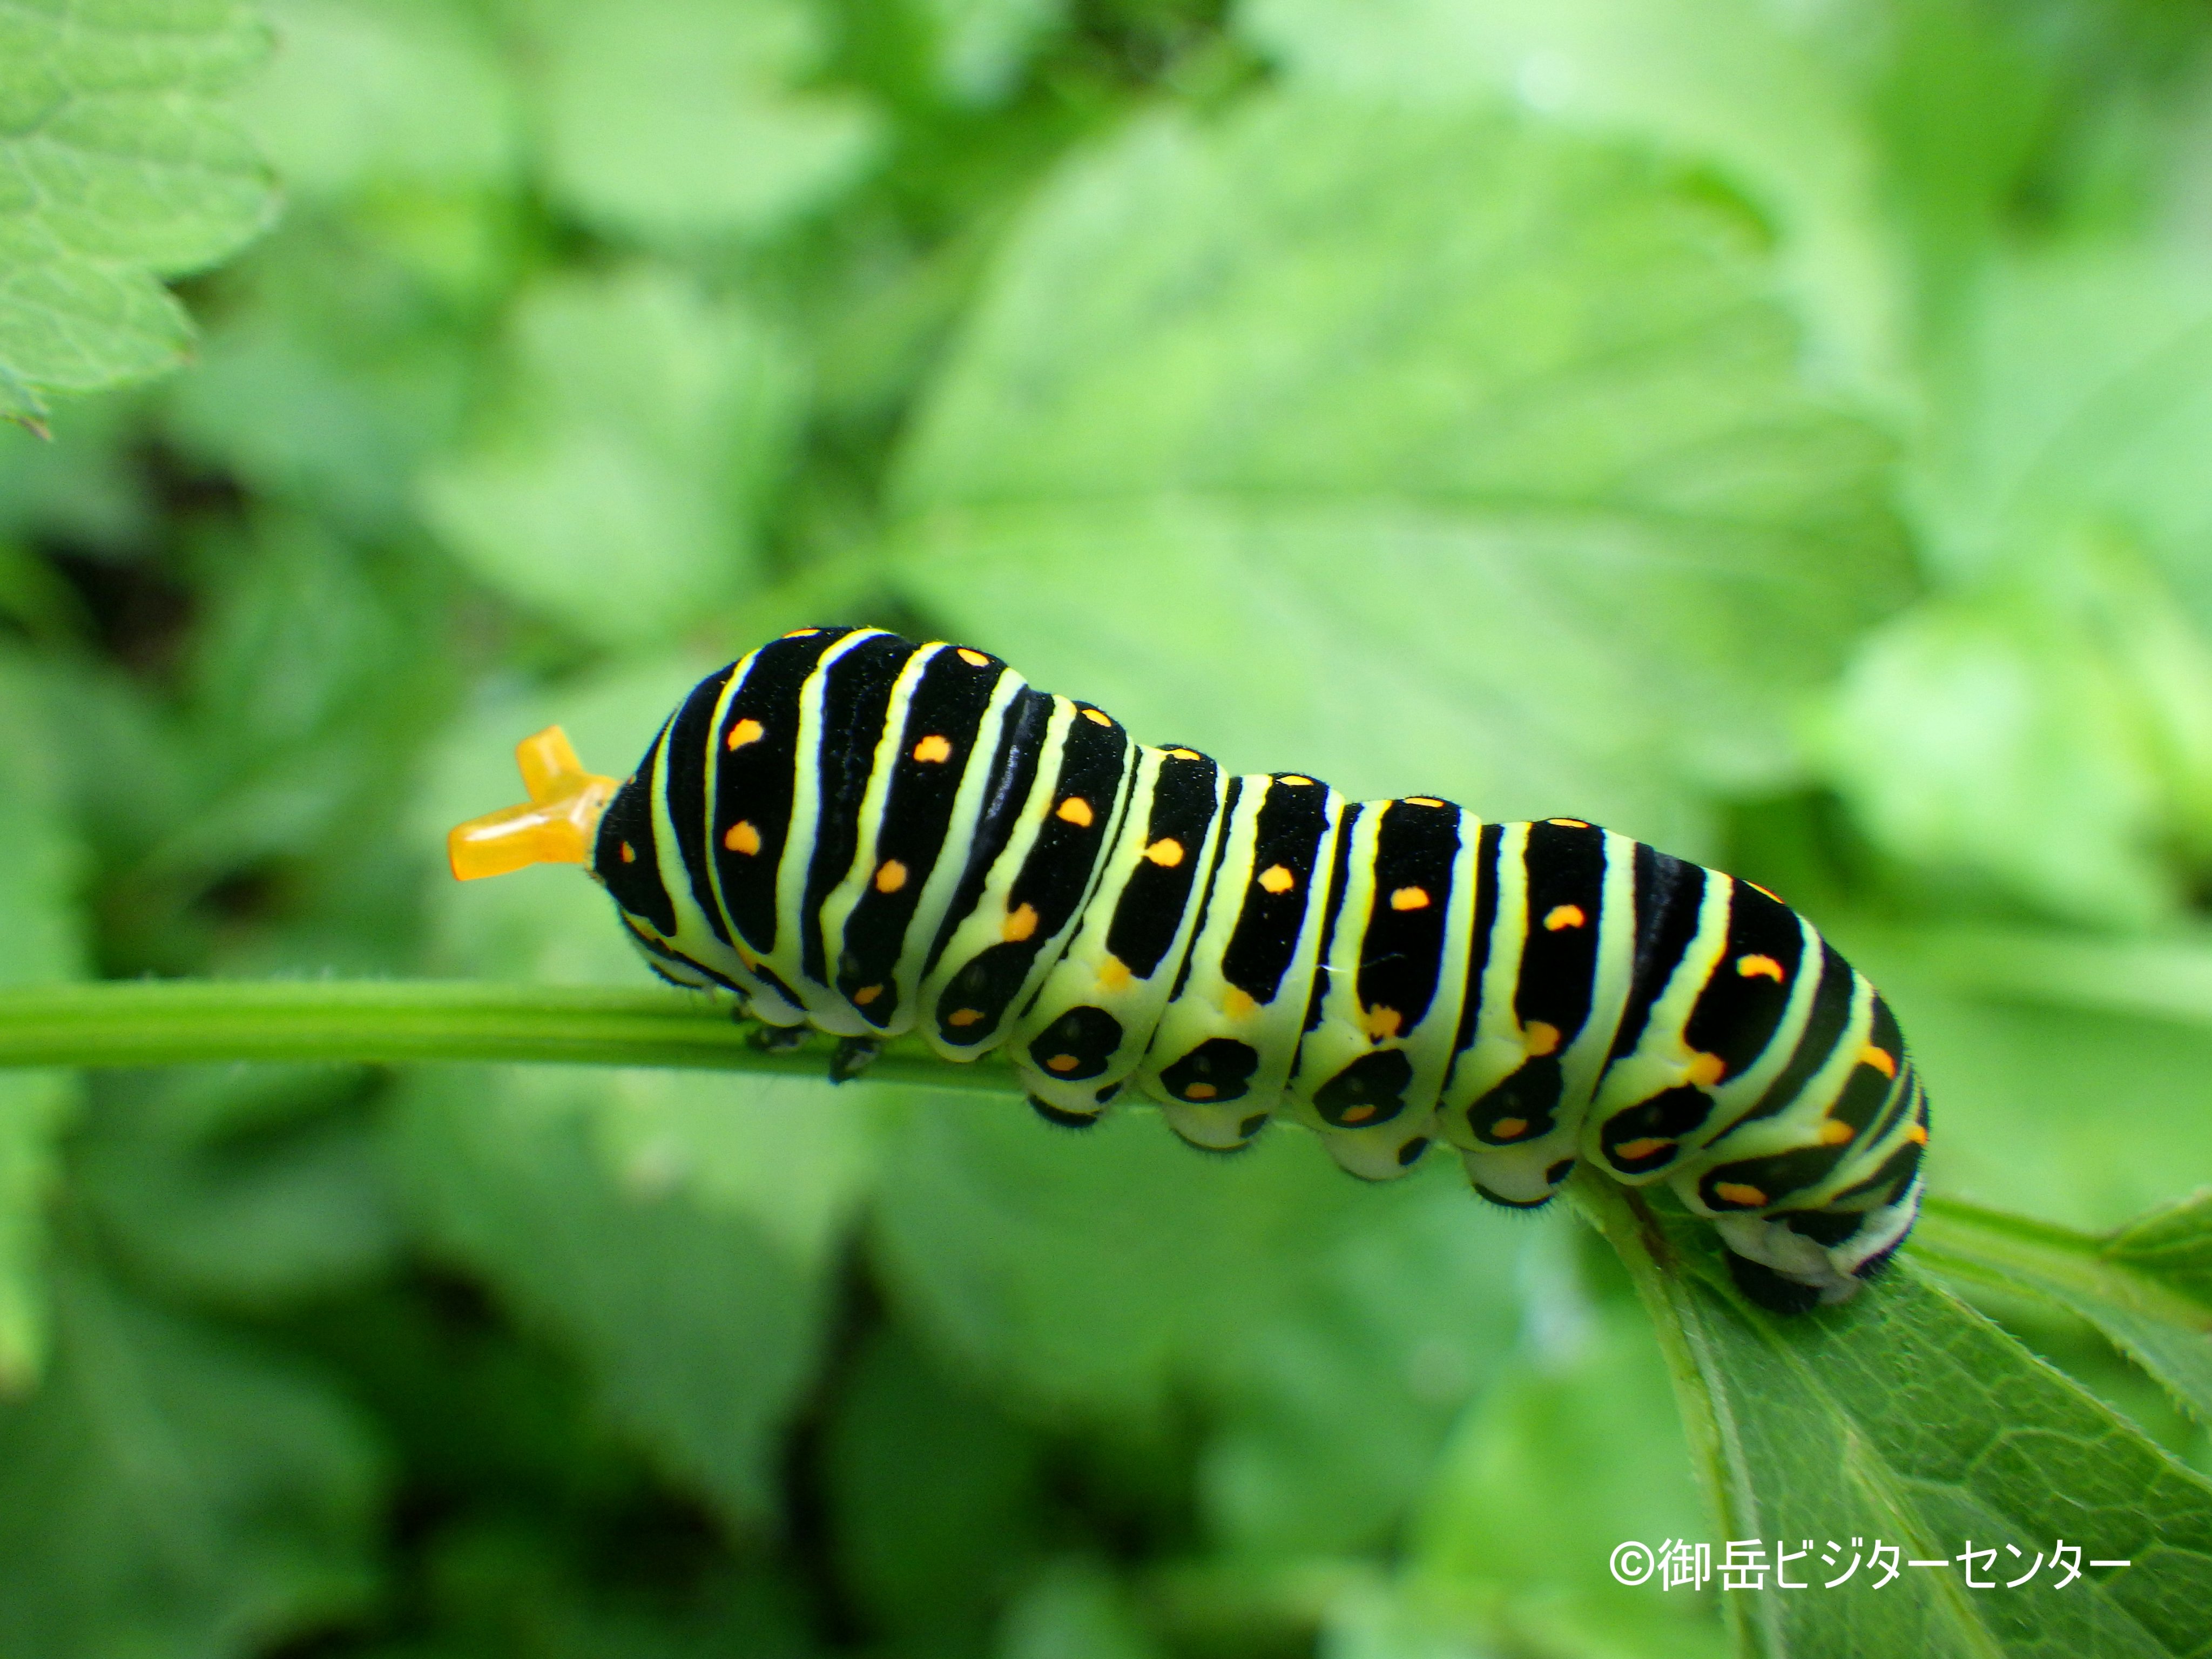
(853, 832)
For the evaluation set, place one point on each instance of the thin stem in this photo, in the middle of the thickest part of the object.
(1716, 1450)
(185, 1022)
(1991, 1247)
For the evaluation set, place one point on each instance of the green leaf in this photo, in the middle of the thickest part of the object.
(618, 485)
(2173, 1247)
(118, 166)
(1416, 448)
(1334, 1327)
(252, 1189)
(983, 45)
(695, 1304)
(337, 371)
(39, 920)
(1904, 1417)
(1733, 83)
(81, 486)
(382, 92)
(724, 144)
(2148, 1286)
(2078, 396)
(168, 1492)
(309, 684)
(1574, 1449)
(932, 1495)
(2046, 732)
(1075, 1610)
(1577, 1448)
(511, 1585)
(1335, 1404)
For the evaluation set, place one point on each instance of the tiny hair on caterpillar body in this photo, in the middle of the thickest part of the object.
(851, 832)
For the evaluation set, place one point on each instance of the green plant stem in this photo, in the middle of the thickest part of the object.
(1988, 1247)
(1696, 1366)
(185, 1022)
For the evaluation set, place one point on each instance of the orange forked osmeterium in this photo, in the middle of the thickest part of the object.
(554, 826)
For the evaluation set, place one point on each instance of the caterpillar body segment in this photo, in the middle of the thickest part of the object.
(847, 831)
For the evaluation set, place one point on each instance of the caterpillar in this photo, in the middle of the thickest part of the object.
(852, 832)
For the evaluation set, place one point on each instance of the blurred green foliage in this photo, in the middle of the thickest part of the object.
(1778, 431)
(117, 167)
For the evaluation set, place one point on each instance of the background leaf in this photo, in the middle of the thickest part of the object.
(1739, 85)
(616, 485)
(1524, 376)
(166, 1492)
(728, 144)
(117, 167)
(1338, 1326)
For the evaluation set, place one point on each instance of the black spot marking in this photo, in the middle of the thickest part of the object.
(1668, 1115)
(1247, 1127)
(1503, 1202)
(1778, 1175)
(1056, 876)
(1370, 1090)
(1052, 1115)
(1211, 1150)
(1828, 1228)
(1530, 1093)
(1768, 1288)
(1824, 1029)
(984, 987)
(1887, 1184)
(1410, 1153)
(854, 1056)
(1088, 1035)
(1864, 1091)
(1558, 1172)
(1221, 1064)
(1213, 879)
(1736, 1013)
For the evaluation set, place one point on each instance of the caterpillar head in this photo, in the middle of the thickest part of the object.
(1792, 1261)
(555, 825)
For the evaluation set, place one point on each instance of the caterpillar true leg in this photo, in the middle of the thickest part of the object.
(853, 832)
